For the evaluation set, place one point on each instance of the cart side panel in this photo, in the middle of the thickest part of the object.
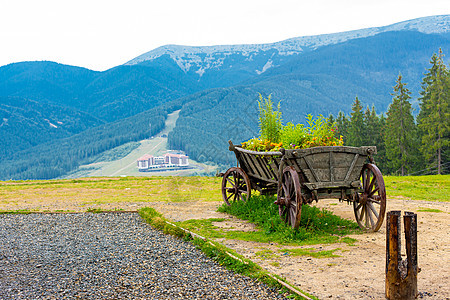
(260, 165)
(243, 162)
(348, 166)
(329, 164)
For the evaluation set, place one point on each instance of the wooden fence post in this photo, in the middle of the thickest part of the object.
(401, 275)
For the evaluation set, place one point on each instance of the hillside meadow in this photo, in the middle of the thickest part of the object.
(131, 193)
(121, 193)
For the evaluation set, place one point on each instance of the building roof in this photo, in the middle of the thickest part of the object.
(145, 157)
(175, 155)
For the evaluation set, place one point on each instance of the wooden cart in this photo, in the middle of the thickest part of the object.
(301, 176)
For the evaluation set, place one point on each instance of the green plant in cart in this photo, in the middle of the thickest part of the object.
(294, 136)
(319, 132)
(269, 120)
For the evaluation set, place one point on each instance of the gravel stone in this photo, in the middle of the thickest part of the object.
(109, 256)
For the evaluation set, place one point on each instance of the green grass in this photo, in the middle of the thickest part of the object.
(433, 210)
(316, 226)
(265, 254)
(311, 252)
(18, 211)
(429, 188)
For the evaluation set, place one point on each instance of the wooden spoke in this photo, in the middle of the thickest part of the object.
(369, 217)
(229, 196)
(361, 216)
(236, 184)
(372, 208)
(370, 203)
(371, 184)
(375, 200)
(374, 191)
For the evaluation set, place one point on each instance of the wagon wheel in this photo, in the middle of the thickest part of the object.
(289, 197)
(235, 185)
(370, 204)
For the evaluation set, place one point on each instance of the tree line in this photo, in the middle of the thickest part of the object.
(406, 145)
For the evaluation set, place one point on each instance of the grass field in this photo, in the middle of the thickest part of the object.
(96, 191)
(100, 190)
(430, 188)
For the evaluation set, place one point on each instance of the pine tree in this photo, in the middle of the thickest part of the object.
(370, 124)
(400, 130)
(331, 119)
(382, 161)
(374, 134)
(356, 130)
(435, 112)
(428, 80)
(342, 126)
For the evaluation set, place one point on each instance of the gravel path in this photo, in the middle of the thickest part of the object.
(109, 256)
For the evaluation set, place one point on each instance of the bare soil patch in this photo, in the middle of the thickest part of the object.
(359, 271)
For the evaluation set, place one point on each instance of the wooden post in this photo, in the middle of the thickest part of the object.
(401, 275)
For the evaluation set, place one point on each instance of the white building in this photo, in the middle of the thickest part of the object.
(179, 160)
(168, 160)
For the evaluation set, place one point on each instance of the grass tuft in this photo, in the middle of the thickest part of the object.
(311, 252)
(316, 225)
(18, 211)
(434, 210)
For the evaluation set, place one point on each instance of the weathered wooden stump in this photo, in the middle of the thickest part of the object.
(401, 275)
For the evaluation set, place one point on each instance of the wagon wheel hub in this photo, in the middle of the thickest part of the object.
(235, 189)
(284, 201)
(232, 190)
(287, 201)
(363, 199)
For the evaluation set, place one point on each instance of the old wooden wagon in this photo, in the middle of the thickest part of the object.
(302, 176)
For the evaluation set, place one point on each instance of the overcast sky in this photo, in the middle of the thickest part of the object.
(101, 34)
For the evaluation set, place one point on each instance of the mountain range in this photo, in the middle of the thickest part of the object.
(43, 104)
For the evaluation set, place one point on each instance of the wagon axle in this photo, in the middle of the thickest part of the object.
(284, 201)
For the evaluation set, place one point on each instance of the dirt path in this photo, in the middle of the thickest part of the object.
(359, 271)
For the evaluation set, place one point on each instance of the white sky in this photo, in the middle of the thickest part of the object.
(101, 34)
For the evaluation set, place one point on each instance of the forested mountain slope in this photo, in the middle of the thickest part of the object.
(43, 101)
(26, 123)
(58, 157)
(321, 82)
